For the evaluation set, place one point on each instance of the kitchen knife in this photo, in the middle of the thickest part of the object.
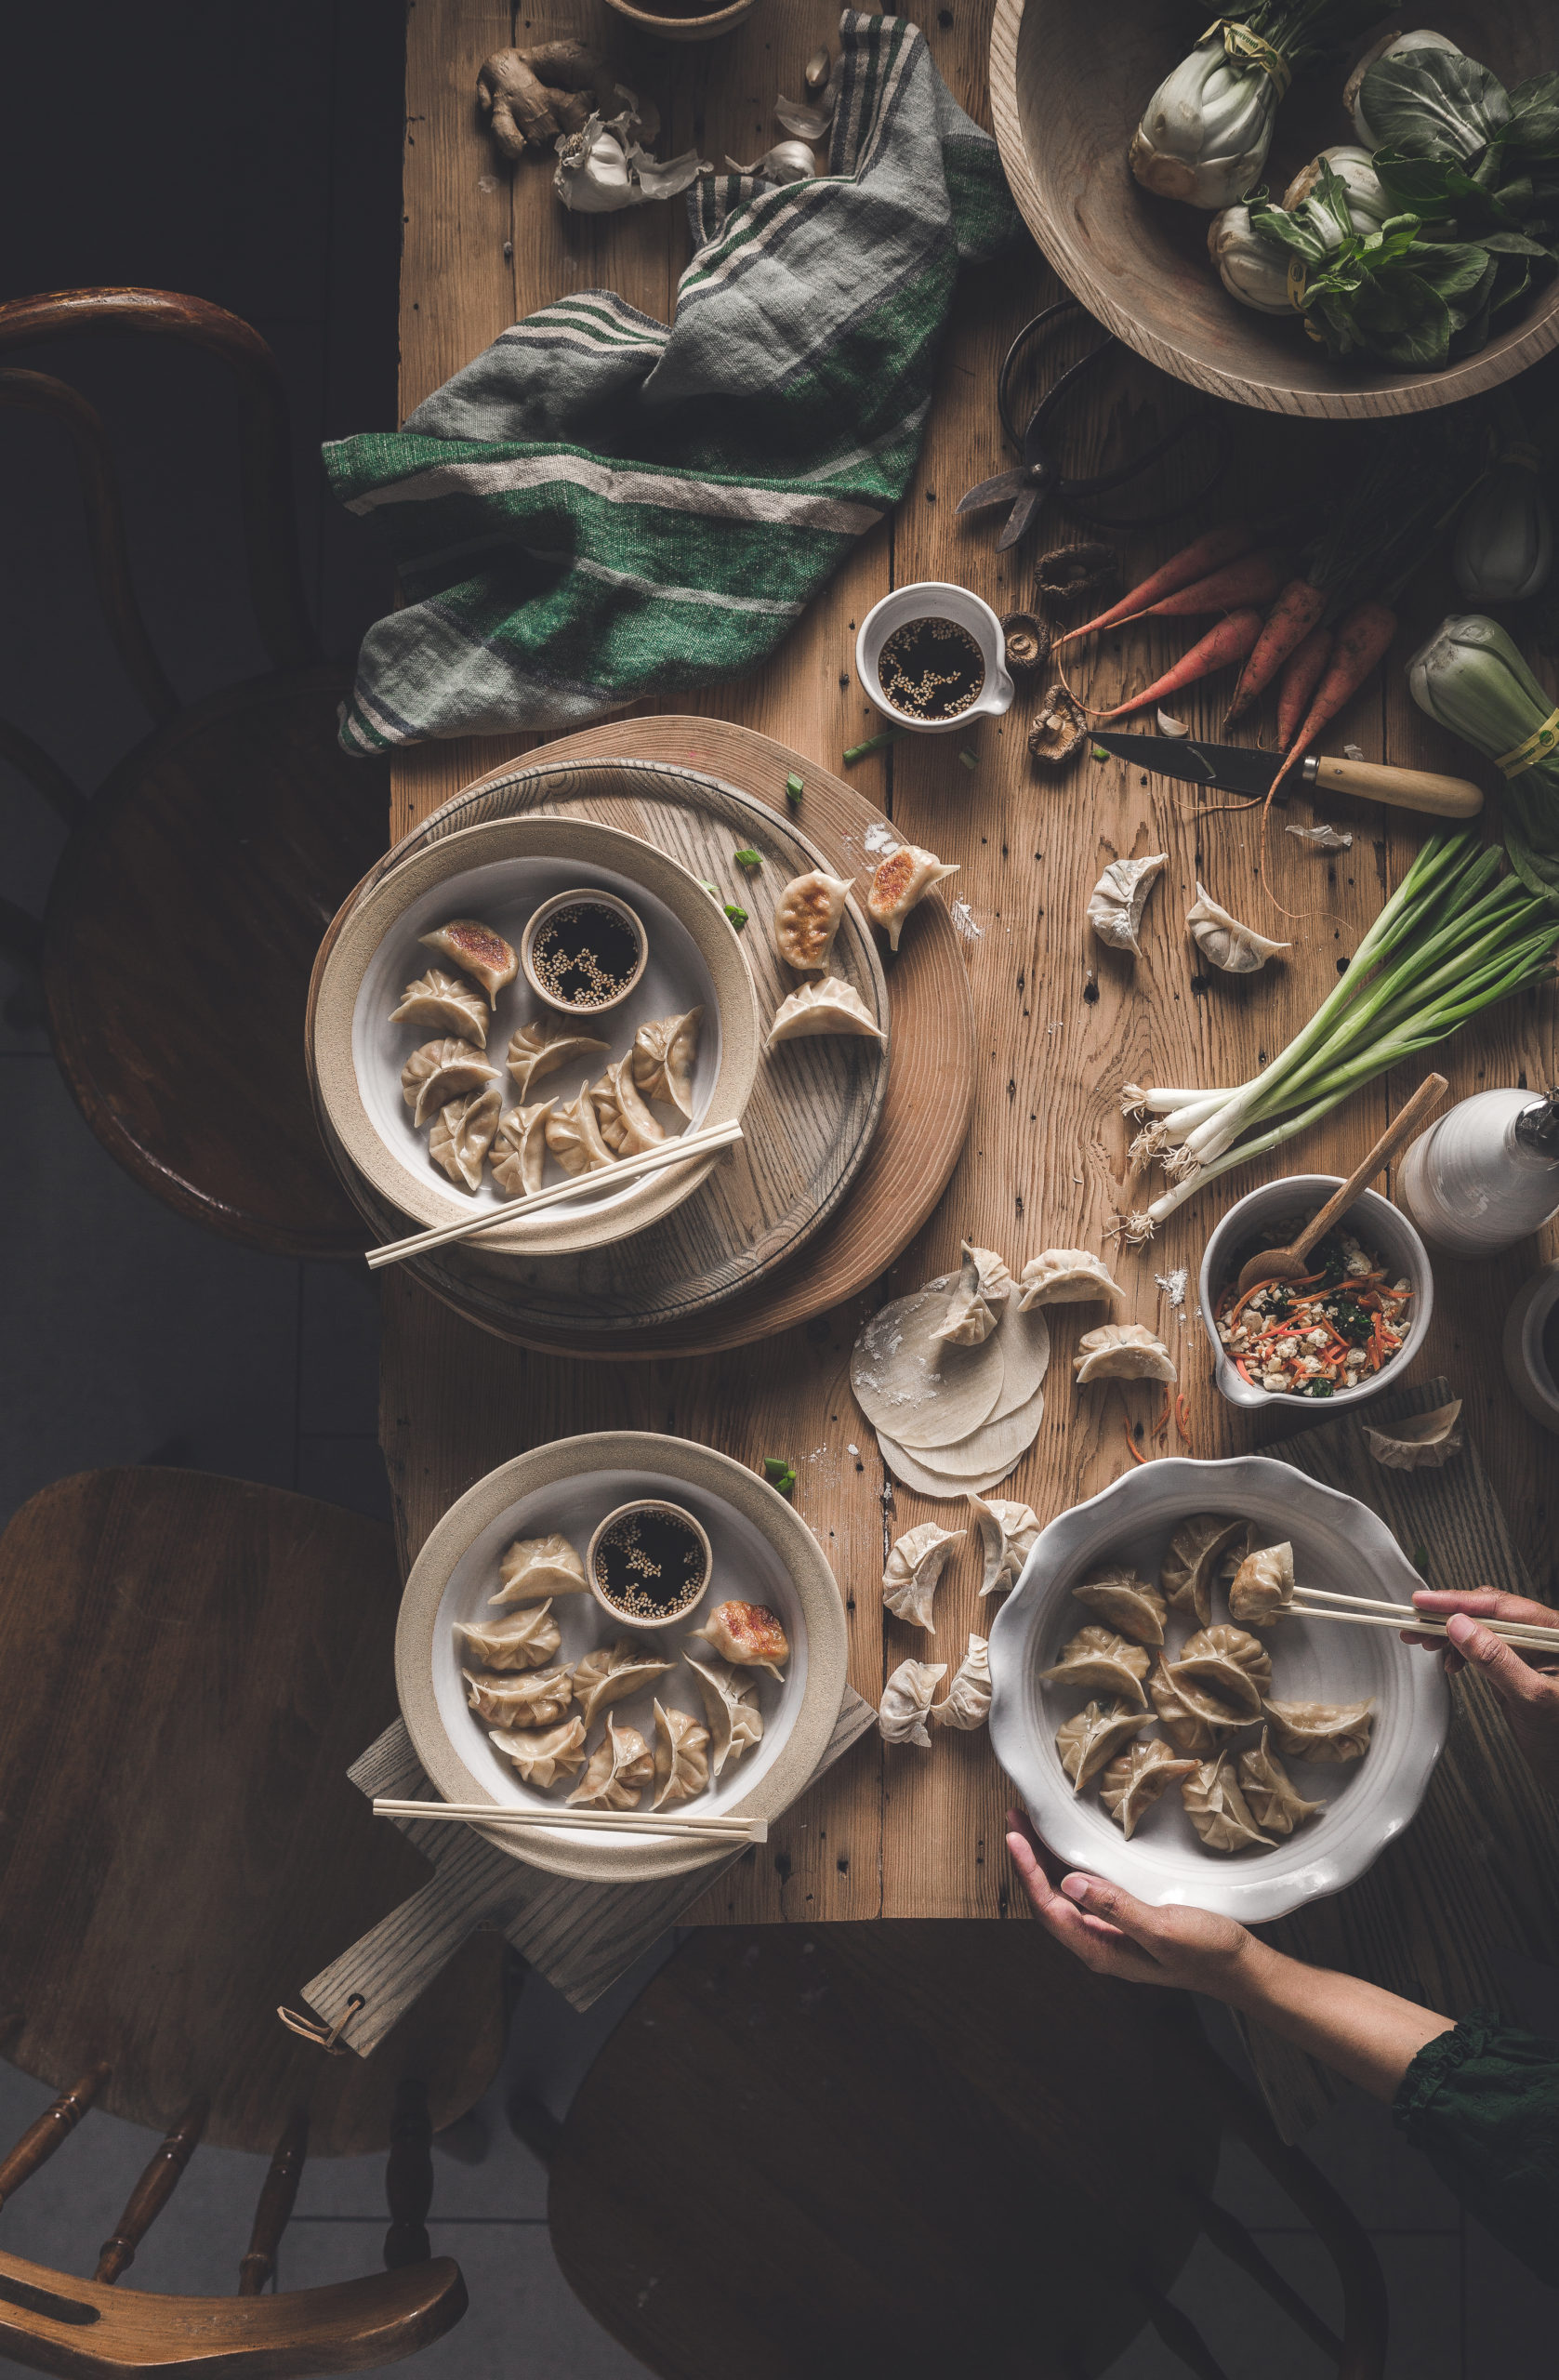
(1237, 768)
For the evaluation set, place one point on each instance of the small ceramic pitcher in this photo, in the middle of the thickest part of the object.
(931, 599)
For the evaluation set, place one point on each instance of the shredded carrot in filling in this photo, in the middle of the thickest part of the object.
(1313, 1336)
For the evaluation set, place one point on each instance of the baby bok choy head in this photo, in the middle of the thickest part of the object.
(1471, 678)
(1253, 261)
(1391, 45)
(1504, 538)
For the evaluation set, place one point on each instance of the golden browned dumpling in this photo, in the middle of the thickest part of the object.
(466, 943)
(750, 1635)
(807, 919)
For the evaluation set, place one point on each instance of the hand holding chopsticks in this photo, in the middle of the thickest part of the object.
(1365, 1611)
(710, 1826)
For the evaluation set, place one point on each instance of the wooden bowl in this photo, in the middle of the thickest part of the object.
(705, 27)
(1066, 98)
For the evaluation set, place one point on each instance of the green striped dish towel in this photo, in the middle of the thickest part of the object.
(600, 508)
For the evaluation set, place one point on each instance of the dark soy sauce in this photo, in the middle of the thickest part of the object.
(585, 954)
(649, 1564)
(930, 668)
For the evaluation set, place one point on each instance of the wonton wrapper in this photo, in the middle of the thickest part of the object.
(907, 1381)
(1261, 1590)
(1421, 1442)
(1007, 1536)
(914, 1474)
(1122, 1351)
(614, 1672)
(975, 1305)
(995, 1446)
(681, 1757)
(521, 1641)
(1217, 1808)
(1186, 1572)
(730, 1698)
(444, 1000)
(663, 1056)
(1239, 950)
(1115, 905)
(832, 1007)
(533, 1567)
(463, 1135)
(916, 1562)
(1090, 1741)
(750, 1635)
(1327, 1732)
(1135, 1779)
(1272, 1800)
(968, 1701)
(807, 919)
(900, 879)
(907, 1698)
(1126, 1602)
(1024, 1339)
(1102, 1663)
(1221, 1673)
(468, 943)
(536, 1698)
(540, 1049)
(1066, 1277)
(543, 1759)
(620, 1766)
(518, 1156)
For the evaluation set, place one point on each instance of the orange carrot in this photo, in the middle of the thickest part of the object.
(1300, 681)
(1254, 578)
(1297, 611)
(1362, 639)
(1181, 570)
(1228, 642)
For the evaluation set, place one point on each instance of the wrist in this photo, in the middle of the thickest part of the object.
(1250, 1978)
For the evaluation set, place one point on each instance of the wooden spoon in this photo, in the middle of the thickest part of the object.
(1290, 1264)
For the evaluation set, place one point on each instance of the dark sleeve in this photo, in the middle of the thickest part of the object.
(1483, 2104)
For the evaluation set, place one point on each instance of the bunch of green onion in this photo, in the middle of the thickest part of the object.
(1472, 679)
(1456, 936)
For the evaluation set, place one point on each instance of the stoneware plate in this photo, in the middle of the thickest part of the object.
(762, 1554)
(501, 872)
(1337, 1544)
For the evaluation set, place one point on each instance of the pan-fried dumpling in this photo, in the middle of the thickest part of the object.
(1186, 1572)
(1263, 1588)
(1007, 1535)
(465, 942)
(1127, 1602)
(1188, 1730)
(1222, 1674)
(614, 1672)
(901, 878)
(540, 1049)
(573, 1136)
(620, 1768)
(519, 1151)
(750, 1635)
(1273, 1801)
(832, 1006)
(967, 1702)
(440, 1071)
(1121, 1351)
(533, 1567)
(1135, 1778)
(1329, 1732)
(1102, 1663)
(730, 1707)
(543, 1759)
(807, 919)
(1217, 1808)
(916, 1562)
(974, 1308)
(445, 1001)
(463, 1135)
(1092, 1739)
(906, 1701)
(681, 1757)
(627, 1125)
(1066, 1277)
(537, 1698)
(663, 1056)
(521, 1641)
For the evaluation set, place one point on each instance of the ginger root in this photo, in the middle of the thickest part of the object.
(530, 97)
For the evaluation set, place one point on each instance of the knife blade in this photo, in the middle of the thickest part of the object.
(1237, 768)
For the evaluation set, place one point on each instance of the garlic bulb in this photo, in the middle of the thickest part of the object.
(1253, 270)
(1394, 46)
(1205, 132)
(1368, 203)
(787, 160)
(1504, 539)
(605, 167)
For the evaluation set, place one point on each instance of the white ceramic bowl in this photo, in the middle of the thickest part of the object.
(1374, 1222)
(1526, 1366)
(1338, 1543)
(934, 598)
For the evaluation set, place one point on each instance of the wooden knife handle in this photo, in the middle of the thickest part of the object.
(1404, 788)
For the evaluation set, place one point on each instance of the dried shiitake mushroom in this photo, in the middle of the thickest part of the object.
(1056, 729)
(530, 97)
(1026, 643)
(1071, 575)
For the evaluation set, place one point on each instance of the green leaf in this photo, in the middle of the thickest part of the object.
(1533, 125)
(1287, 231)
(749, 859)
(1428, 103)
(1529, 814)
(712, 890)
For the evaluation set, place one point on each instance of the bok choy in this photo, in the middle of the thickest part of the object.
(1471, 678)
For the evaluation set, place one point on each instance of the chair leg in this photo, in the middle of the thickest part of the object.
(41, 2139)
(151, 2193)
(276, 2199)
(408, 2179)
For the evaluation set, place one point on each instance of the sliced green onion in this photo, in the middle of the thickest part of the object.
(748, 859)
(873, 743)
(794, 788)
(779, 1474)
(737, 915)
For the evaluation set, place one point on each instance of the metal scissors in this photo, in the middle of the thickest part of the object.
(1040, 474)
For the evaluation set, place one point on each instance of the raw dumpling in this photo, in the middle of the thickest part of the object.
(901, 878)
(522, 1642)
(730, 1708)
(627, 1125)
(1126, 1601)
(1222, 1674)
(519, 1152)
(1066, 1277)
(750, 1635)
(542, 1760)
(1093, 1737)
(443, 1000)
(916, 1562)
(463, 1135)
(663, 1056)
(1102, 1663)
(1115, 909)
(540, 1049)
(573, 1136)
(807, 919)
(621, 1765)
(831, 1007)
(1329, 1732)
(539, 1699)
(465, 942)
(1272, 1798)
(1263, 1588)
(1217, 1809)
(614, 1672)
(533, 1567)
(681, 1756)
(974, 1308)
(440, 1071)
(967, 1703)
(1135, 1780)
(907, 1698)
(1239, 950)
(1187, 1569)
(1121, 1351)
(1422, 1444)
(1007, 1535)
(1187, 1729)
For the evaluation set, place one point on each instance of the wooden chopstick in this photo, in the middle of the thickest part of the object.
(1518, 1631)
(1532, 1640)
(711, 1827)
(626, 1168)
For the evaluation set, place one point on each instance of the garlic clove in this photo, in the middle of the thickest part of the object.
(1168, 726)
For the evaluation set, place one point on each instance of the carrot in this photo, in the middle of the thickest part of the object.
(1254, 578)
(1362, 639)
(1297, 611)
(1228, 642)
(1300, 681)
(1181, 570)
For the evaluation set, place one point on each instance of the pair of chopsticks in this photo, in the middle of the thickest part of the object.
(1365, 1611)
(709, 1828)
(690, 1145)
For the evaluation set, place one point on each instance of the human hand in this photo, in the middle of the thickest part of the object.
(1526, 1682)
(1116, 1933)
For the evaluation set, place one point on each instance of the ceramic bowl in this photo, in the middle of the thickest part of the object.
(1526, 1365)
(548, 909)
(707, 26)
(1373, 1221)
(683, 1616)
(932, 598)
(1338, 1542)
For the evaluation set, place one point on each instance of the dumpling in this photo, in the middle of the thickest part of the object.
(1102, 1663)
(1092, 1739)
(540, 1049)
(621, 1765)
(465, 942)
(1221, 1673)
(1007, 1535)
(1188, 1730)
(440, 1071)
(807, 919)
(1329, 1732)
(614, 1672)
(1273, 1801)
(443, 1000)
(750, 1635)
(521, 1643)
(901, 878)
(1127, 1602)
(463, 1135)
(573, 1136)
(730, 1708)
(539, 1699)
(1263, 1588)
(967, 1703)
(1237, 1550)
(1116, 904)
(907, 1699)
(543, 1759)
(1121, 1351)
(519, 1151)
(832, 1006)
(1066, 1277)
(1239, 950)
(681, 1756)
(974, 1308)
(1135, 1780)
(1217, 1808)
(627, 1125)
(916, 1562)
(663, 1056)
(1186, 1571)
(533, 1567)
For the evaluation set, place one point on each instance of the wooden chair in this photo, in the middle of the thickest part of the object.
(914, 2149)
(174, 950)
(192, 1664)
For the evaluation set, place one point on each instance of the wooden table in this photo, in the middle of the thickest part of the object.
(1061, 1022)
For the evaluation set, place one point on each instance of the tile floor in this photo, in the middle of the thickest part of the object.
(132, 1336)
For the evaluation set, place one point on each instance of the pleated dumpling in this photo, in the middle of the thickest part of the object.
(1007, 1534)
(681, 1757)
(614, 1672)
(440, 1071)
(901, 878)
(521, 1641)
(1218, 1809)
(830, 1007)
(535, 1698)
(440, 1001)
(1222, 1674)
(519, 1153)
(1186, 1572)
(1122, 1351)
(1275, 1803)
(627, 1125)
(620, 1768)
(974, 1309)
(1329, 1732)
(967, 1703)
(1066, 1277)
(540, 1049)
(1102, 1663)
(1135, 1780)
(1262, 1589)
(730, 1707)
(1188, 1730)
(464, 1133)
(533, 1567)
(664, 1054)
(1129, 1603)
(807, 918)
(468, 943)
(573, 1136)
(916, 1562)
(1092, 1738)
(543, 1759)
(906, 1701)
(748, 1635)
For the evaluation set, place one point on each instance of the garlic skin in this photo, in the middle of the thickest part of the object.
(1504, 540)
(605, 167)
(1392, 46)
(1253, 270)
(1205, 133)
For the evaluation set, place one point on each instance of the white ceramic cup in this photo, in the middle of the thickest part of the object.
(932, 599)
(684, 1610)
